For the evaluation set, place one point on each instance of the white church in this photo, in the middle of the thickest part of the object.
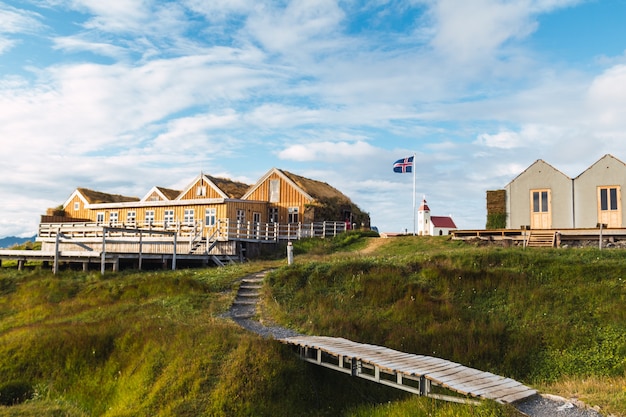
(428, 225)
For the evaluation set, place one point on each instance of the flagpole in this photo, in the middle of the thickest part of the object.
(414, 157)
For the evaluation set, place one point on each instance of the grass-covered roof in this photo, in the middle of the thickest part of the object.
(98, 197)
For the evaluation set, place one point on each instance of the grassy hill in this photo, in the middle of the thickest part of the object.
(157, 344)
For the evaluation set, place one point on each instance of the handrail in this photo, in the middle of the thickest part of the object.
(223, 230)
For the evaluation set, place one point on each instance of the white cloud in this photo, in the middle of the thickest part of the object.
(77, 44)
(607, 98)
(327, 151)
(474, 30)
(503, 140)
(13, 20)
(115, 15)
(304, 26)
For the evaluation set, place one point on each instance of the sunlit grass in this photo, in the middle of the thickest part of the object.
(610, 392)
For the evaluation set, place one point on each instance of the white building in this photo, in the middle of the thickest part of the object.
(433, 225)
(545, 198)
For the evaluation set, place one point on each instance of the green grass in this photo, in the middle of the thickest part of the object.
(156, 343)
(539, 316)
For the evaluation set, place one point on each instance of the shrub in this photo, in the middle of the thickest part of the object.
(15, 392)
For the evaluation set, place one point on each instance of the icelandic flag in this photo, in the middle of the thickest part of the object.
(403, 165)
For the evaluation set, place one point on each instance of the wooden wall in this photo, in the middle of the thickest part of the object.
(288, 196)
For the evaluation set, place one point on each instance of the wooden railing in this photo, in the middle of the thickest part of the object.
(223, 230)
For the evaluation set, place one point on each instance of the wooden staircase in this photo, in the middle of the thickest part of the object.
(541, 239)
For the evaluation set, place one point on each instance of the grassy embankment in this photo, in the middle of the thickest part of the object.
(552, 318)
(154, 343)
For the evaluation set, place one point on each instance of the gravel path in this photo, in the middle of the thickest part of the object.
(546, 405)
(243, 312)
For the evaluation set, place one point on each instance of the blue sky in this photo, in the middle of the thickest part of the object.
(120, 96)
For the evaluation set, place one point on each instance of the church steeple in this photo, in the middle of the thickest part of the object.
(423, 219)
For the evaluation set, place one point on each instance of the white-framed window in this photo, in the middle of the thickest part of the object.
(201, 191)
(210, 217)
(256, 217)
(189, 217)
(76, 206)
(149, 218)
(241, 216)
(100, 217)
(273, 214)
(131, 217)
(293, 214)
(168, 217)
(274, 191)
(113, 217)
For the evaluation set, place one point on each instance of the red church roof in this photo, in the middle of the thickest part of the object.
(443, 222)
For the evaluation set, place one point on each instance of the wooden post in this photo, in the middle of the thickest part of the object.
(55, 268)
(601, 225)
(289, 253)
(140, 261)
(174, 254)
(104, 251)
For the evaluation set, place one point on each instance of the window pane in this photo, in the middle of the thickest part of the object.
(535, 202)
(544, 201)
(274, 191)
(210, 217)
(603, 199)
(613, 198)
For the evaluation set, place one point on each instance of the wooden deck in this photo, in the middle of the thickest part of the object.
(89, 243)
(543, 237)
(422, 375)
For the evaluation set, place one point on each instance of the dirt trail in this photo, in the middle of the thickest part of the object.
(373, 244)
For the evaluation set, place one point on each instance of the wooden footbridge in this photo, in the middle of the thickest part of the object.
(422, 375)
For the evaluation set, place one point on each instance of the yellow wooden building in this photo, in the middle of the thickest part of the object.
(211, 220)
(278, 198)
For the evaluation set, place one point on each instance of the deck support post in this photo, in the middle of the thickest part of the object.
(174, 254)
(20, 264)
(104, 251)
(140, 260)
(424, 386)
(55, 268)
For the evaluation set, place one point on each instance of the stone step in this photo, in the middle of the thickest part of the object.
(242, 316)
(245, 302)
(248, 294)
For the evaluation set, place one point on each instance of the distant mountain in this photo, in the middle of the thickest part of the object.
(7, 242)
